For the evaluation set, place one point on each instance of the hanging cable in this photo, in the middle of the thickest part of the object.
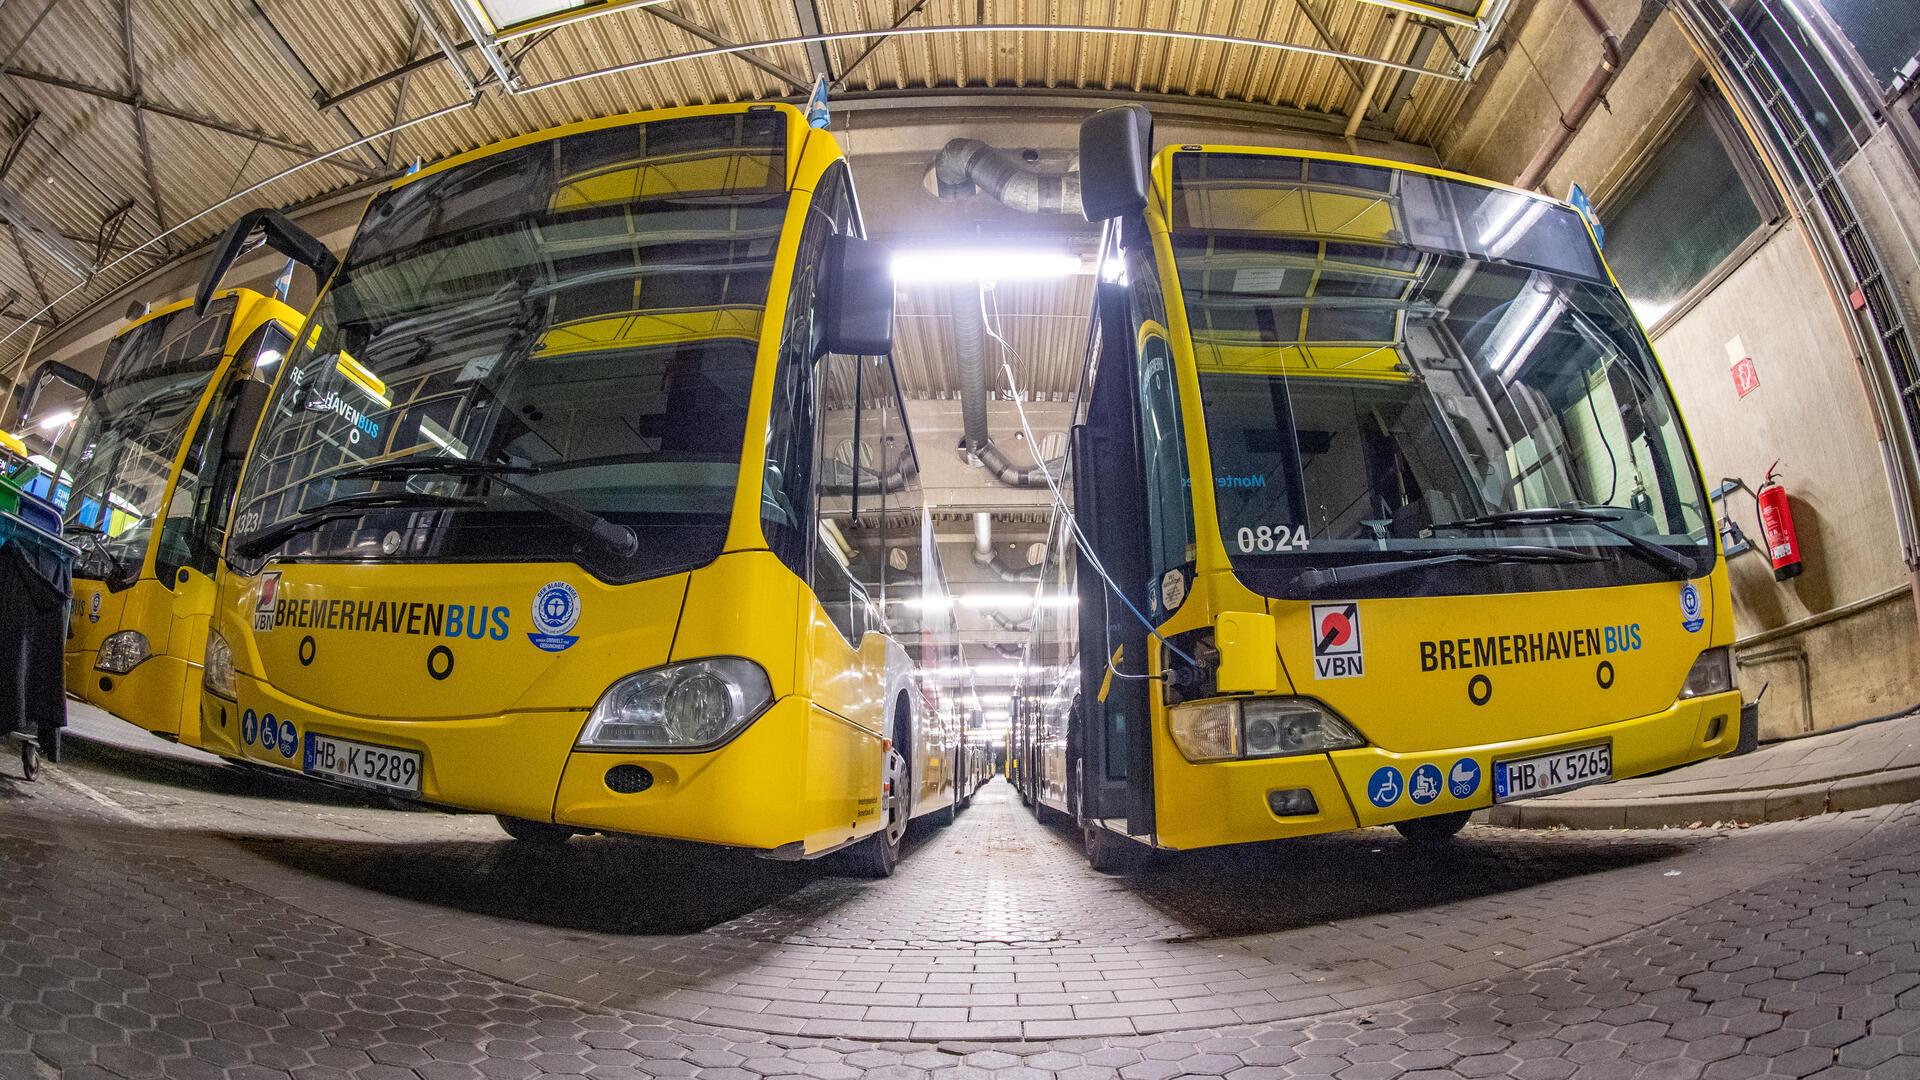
(1060, 503)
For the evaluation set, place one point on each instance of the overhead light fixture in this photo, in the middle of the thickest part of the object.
(55, 420)
(506, 19)
(983, 264)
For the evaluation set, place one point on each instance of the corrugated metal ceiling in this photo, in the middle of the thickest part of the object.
(236, 63)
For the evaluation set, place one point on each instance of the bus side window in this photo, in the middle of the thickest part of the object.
(786, 502)
(1163, 440)
(196, 518)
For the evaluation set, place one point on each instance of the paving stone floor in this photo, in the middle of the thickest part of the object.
(161, 918)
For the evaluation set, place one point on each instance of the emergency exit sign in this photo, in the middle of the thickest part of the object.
(1746, 377)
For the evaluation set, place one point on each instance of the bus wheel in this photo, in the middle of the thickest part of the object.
(534, 832)
(1433, 831)
(877, 855)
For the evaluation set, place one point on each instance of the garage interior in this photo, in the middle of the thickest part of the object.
(1755, 166)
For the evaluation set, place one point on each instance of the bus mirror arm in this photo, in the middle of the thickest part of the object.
(51, 371)
(859, 289)
(280, 234)
(249, 401)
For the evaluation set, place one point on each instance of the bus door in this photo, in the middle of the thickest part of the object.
(1115, 766)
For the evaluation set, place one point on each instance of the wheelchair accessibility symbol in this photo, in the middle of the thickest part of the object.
(1385, 786)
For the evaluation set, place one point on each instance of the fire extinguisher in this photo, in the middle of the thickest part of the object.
(1776, 526)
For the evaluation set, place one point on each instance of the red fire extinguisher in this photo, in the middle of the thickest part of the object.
(1776, 526)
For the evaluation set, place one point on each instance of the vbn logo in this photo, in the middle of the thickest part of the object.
(1336, 641)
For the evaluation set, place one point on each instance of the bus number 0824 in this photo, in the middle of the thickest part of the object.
(1272, 538)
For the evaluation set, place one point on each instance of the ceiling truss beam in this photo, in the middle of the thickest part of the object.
(185, 116)
(711, 37)
(140, 123)
(299, 67)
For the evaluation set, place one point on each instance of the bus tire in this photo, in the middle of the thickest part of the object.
(543, 833)
(1433, 831)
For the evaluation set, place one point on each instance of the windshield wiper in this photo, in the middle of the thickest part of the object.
(254, 545)
(1658, 554)
(97, 543)
(618, 537)
(1519, 553)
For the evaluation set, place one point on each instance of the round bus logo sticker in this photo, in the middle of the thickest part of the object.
(249, 726)
(269, 733)
(288, 739)
(1424, 785)
(1383, 790)
(556, 610)
(1690, 608)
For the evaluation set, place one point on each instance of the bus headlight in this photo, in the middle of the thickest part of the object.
(1260, 727)
(678, 707)
(1711, 674)
(216, 673)
(122, 652)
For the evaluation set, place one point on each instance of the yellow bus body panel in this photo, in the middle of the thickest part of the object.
(498, 732)
(1412, 707)
(161, 694)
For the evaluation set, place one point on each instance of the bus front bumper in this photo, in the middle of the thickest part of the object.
(751, 792)
(1229, 802)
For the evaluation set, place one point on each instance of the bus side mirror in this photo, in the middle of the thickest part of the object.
(1116, 150)
(1249, 653)
(859, 286)
(249, 401)
(280, 234)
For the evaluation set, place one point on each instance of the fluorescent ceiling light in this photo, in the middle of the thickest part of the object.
(977, 264)
(512, 18)
(56, 420)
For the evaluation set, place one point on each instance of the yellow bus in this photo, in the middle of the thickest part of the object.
(587, 499)
(147, 478)
(1381, 511)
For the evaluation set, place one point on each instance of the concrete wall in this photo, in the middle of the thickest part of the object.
(1849, 617)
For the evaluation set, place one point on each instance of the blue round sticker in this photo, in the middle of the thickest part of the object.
(249, 727)
(269, 733)
(1384, 788)
(1690, 608)
(1424, 785)
(287, 738)
(1464, 778)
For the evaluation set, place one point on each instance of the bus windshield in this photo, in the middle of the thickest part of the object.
(1385, 355)
(123, 447)
(579, 316)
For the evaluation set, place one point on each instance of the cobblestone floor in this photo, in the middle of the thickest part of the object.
(160, 919)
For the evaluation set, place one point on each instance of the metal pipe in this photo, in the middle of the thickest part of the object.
(448, 51)
(1584, 103)
(969, 338)
(964, 165)
(243, 193)
(1365, 101)
(973, 28)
